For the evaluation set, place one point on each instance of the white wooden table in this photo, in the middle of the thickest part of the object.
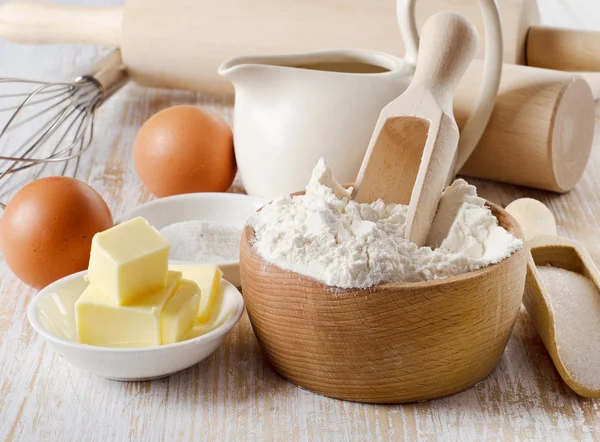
(234, 395)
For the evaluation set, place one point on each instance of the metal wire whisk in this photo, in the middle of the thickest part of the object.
(64, 113)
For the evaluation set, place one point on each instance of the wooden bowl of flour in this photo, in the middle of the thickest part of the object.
(390, 343)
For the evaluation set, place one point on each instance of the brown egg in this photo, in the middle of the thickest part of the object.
(184, 149)
(47, 228)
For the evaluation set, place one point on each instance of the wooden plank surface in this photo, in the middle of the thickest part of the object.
(234, 395)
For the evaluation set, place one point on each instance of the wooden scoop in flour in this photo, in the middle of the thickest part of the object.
(411, 153)
(562, 297)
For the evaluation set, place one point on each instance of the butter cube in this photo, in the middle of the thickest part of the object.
(103, 322)
(128, 261)
(208, 278)
(180, 312)
(219, 314)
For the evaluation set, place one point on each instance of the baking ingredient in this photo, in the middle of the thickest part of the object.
(325, 235)
(47, 228)
(129, 260)
(216, 319)
(180, 313)
(575, 302)
(185, 149)
(203, 241)
(453, 199)
(134, 299)
(208, 278)
(218, 315)
(103, 322)
(56, 310)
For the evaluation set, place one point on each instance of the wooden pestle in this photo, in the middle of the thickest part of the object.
(541, 130)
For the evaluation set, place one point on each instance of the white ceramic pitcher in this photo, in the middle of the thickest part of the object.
(292, 109)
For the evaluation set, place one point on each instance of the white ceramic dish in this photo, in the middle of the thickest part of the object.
(51, 313)
(226, 208)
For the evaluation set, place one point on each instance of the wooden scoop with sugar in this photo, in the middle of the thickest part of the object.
(562, 297)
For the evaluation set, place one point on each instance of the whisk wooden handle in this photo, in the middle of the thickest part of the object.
(34, 22)
(110, 73)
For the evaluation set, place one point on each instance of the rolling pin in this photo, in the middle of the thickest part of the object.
(180, 43)
(541, 130)
(540, 133)
(525, 42)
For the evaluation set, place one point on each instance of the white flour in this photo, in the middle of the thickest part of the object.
(203, 241)
(339, 242)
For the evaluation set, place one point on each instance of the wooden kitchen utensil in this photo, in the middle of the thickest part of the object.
(411, 153)
(180, 43)
(563, 301)
(399, 342)
(525, 42)
(541, 130)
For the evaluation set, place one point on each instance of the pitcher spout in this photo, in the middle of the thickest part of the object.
(315, 65)
(238, 69)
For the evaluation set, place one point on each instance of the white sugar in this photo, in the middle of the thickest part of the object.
(203, 241)
(575, 301)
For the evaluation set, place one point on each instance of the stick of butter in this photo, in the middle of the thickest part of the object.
(103, 322)
(180, 312)
(129, 261)
(208, 278)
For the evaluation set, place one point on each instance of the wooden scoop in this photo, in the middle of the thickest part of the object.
(412, 151)
(563, 300)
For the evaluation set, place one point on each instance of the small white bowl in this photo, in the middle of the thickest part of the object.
(52, 314)
(231, 209)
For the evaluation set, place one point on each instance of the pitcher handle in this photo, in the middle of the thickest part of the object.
(405, 13)
(492, 73)
(492, 70)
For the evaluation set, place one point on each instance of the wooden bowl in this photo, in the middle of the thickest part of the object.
(388, 344)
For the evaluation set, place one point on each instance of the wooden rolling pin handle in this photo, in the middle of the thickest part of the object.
(448, 44)
(534, 218)
(34, 22)
(563, 49)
